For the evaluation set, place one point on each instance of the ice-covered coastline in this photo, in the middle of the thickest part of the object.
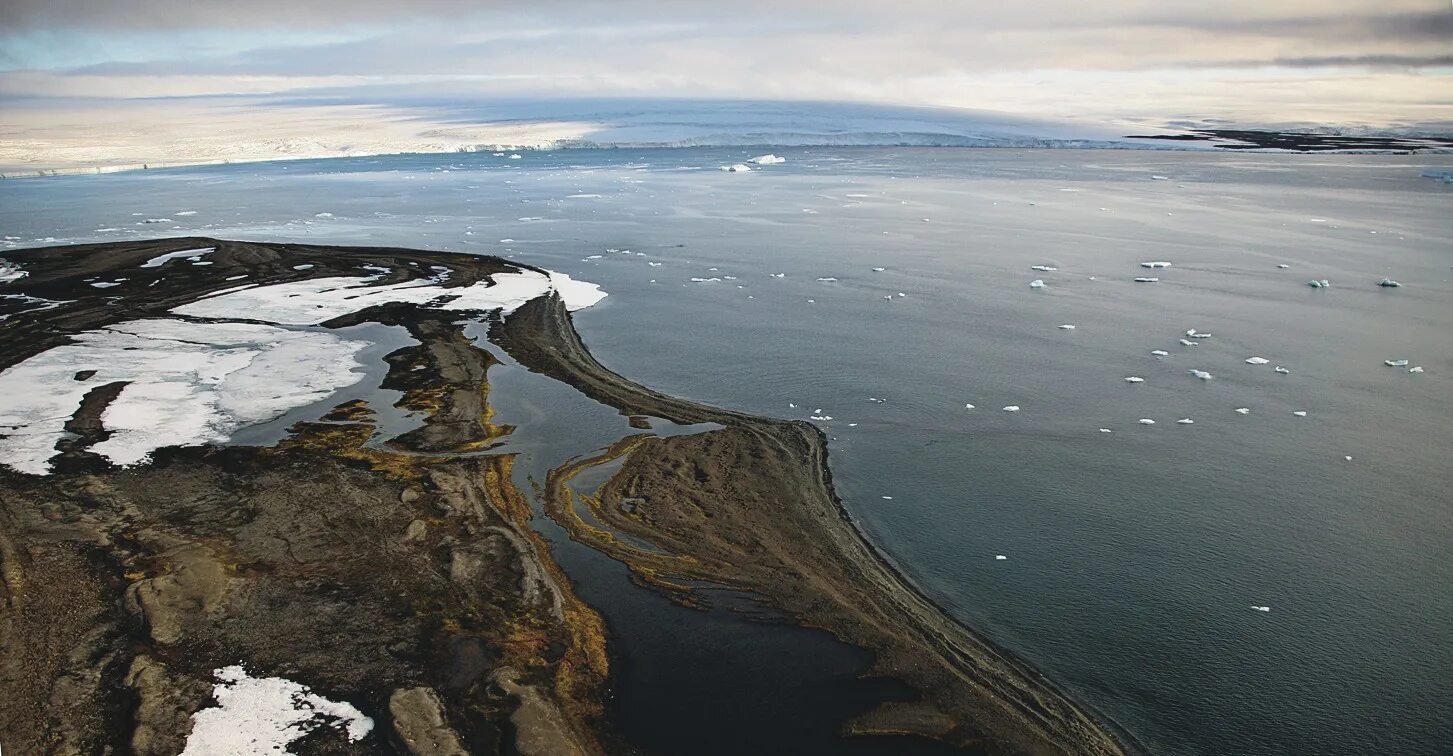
(184, 382)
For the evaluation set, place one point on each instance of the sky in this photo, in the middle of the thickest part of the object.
(1382, 63)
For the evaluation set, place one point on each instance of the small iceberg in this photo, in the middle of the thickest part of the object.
(1106, 430)
(737, 168)
(1012, 408)
(1134, 379)
(1192, 334)
(1257, 360)
(1146, 421)
(879, 270)
(1283, 266)
(1261, 608)
(1185, 421)
(1160, 353)
(1037, 283)
(1203, 375)
(1188, 342)
(1300, 413)
(1146, 279)
(1067, 327)
(777, 275)
(1243, 410)
(826, 279)
(1000, 557)
(1388, 282)
(1282, 370)
(1416, 369)
(968, 406)
(1044, 268)
(1315, 284)
(1395, 363)
(1155, 264)
(768, 159)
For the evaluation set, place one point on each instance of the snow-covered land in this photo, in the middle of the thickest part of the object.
(263, 715)
(191, 383)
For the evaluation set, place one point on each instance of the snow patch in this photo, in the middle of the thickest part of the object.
(156, 262)
(263, 715)
(186, 384)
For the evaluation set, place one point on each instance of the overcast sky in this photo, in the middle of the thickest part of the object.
(1254, 61)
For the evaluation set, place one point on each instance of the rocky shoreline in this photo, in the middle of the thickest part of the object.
(401, 575)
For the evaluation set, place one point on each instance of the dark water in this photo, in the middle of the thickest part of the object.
(1134, 556)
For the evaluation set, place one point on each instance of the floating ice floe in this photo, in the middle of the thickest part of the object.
(1188, 342)
(1146, 279)
(1261, 608)
(1012, 408)
(827, 279)
(1067, 327)
(1300, 413)
(1203, 375)
(1000, 557)
(515, 156)
(887, 498)
(1282, 266)
(737, 168)
(1037, 283)
(1044, 268)
(1257, 360)
(10, 272)
(1155, 264)
(767, 160)
(1146, 421)
(263, 715)
(190, 254)
(185, 212)
(879, 270)
(187, 383)
(1316, 284)
(322, 215)
(1282, 370)
(778, 275)
(1243, 410)
(968, 406)
(821, 417)
(1106, 430)
(1185, 421)
(1191, 333)
(1134, 379)
(107, 284)
(1416, 369)
(1154, 177)
(1395, 363)
(1388, 282)
(304, 266)
(1160, 353)
(154, 220)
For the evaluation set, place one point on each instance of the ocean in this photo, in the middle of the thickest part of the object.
(1135, 559)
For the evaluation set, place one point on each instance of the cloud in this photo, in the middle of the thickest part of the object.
(911, 51)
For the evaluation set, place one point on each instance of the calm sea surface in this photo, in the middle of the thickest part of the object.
(1134, 557)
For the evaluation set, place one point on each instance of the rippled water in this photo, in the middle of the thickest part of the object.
(1134, 557)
